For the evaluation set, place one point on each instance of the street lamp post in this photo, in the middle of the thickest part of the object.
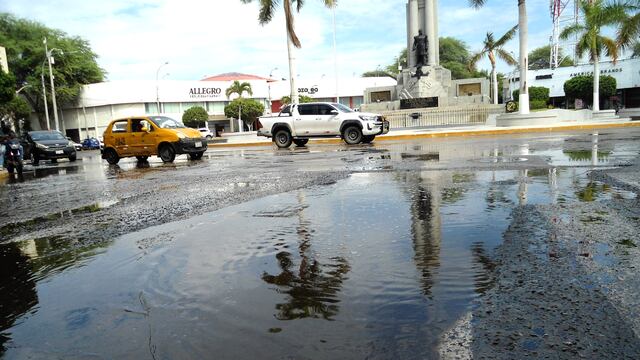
(49, 54)
(157, 89)
(335, 54)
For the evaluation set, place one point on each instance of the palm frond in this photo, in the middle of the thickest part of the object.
(267, 10)
(507, 36)
(610, 46)
(574, 29)
(299, 4)
(629, 31)
(477, 3)
(473, 60)
(582, 46)
(636, 50)
(506, 57)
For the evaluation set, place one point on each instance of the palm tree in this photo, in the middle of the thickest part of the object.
(596, 15)
(629, 30)
(267, 10)
(239, 88)
(524, 56)
(493, 48)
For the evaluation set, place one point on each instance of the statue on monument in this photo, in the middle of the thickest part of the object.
(420, 46)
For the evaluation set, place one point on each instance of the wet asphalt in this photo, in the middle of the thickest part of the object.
(479, 247)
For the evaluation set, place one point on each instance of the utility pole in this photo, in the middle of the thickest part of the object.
(44, 95)
(335, 54)
(53, 89)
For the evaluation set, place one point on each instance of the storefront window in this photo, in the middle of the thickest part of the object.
(216, 107)
(171, 108)
(357, 101)
(151, 108)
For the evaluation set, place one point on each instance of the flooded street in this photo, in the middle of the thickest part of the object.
(483, 247)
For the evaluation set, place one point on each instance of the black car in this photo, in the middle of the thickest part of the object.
(48, 145)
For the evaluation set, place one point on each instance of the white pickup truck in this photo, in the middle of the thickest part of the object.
(299, 122)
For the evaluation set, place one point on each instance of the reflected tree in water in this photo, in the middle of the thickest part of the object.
(312, 287)
(17, 289)
(484, 279)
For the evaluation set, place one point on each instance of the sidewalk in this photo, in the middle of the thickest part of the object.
(251, 139)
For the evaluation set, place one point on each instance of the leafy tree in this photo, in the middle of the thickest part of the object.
(17, 110)
(302, 100)
(596, 15)
(7, 87)
(267, 10)
(539, 96)
(194, 116)
(248, 109)
(539, 58)
(239, 88)
(581, 87)
(75, 62)
(491, 49)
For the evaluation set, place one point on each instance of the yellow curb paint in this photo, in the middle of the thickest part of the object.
(504, 131)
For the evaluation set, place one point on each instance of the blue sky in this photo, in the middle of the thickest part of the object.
(198, 38)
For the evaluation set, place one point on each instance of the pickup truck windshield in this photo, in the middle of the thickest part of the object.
(342, 108)
(164, 122)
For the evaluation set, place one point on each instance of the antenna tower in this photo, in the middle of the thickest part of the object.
(564, 13)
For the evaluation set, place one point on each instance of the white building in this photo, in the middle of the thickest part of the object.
(100, 103)
(626, 72)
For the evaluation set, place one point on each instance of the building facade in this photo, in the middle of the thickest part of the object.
(100, 103)
(626, 72)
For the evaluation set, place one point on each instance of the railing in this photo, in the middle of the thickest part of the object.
(453, 115)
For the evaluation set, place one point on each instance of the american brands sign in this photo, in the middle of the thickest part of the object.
(205, 92)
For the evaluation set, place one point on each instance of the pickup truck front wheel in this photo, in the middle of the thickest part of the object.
(352, 135)
(283, 139)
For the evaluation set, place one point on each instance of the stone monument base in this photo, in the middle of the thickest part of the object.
(426, 86)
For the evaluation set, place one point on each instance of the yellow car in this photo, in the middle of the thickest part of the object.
(144, 136)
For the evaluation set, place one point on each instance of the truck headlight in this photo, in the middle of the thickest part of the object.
(368, 118)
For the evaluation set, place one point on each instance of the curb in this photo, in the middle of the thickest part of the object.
(4, 175)
(462, 133)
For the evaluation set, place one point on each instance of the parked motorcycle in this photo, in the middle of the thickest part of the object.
(13, 156)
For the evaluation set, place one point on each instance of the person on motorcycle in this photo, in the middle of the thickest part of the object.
(6, 134)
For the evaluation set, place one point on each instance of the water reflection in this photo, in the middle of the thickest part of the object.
(17, 288)
(484, 278)
(312, 287)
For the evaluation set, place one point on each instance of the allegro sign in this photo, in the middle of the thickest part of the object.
(205, 92)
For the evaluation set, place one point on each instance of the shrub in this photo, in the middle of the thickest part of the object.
(251, 109)
(537, 104)
(194, 116)
(535, 93)
(581, 87)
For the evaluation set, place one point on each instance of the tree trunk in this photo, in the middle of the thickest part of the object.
(292, 70)
(494, 86)
(596, 82)
(524, 59)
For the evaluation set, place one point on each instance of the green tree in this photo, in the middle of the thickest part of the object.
(17, 110)
(581, 87)
(524, 57)
(239, 88)
(248, 109)
(596, 15)
(301, 100)
(75, 62)
(194, 116)
(539, 58)
(267, 10)
(493, 48)
(7, 87)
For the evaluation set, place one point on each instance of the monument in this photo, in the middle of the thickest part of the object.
(425, 83)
